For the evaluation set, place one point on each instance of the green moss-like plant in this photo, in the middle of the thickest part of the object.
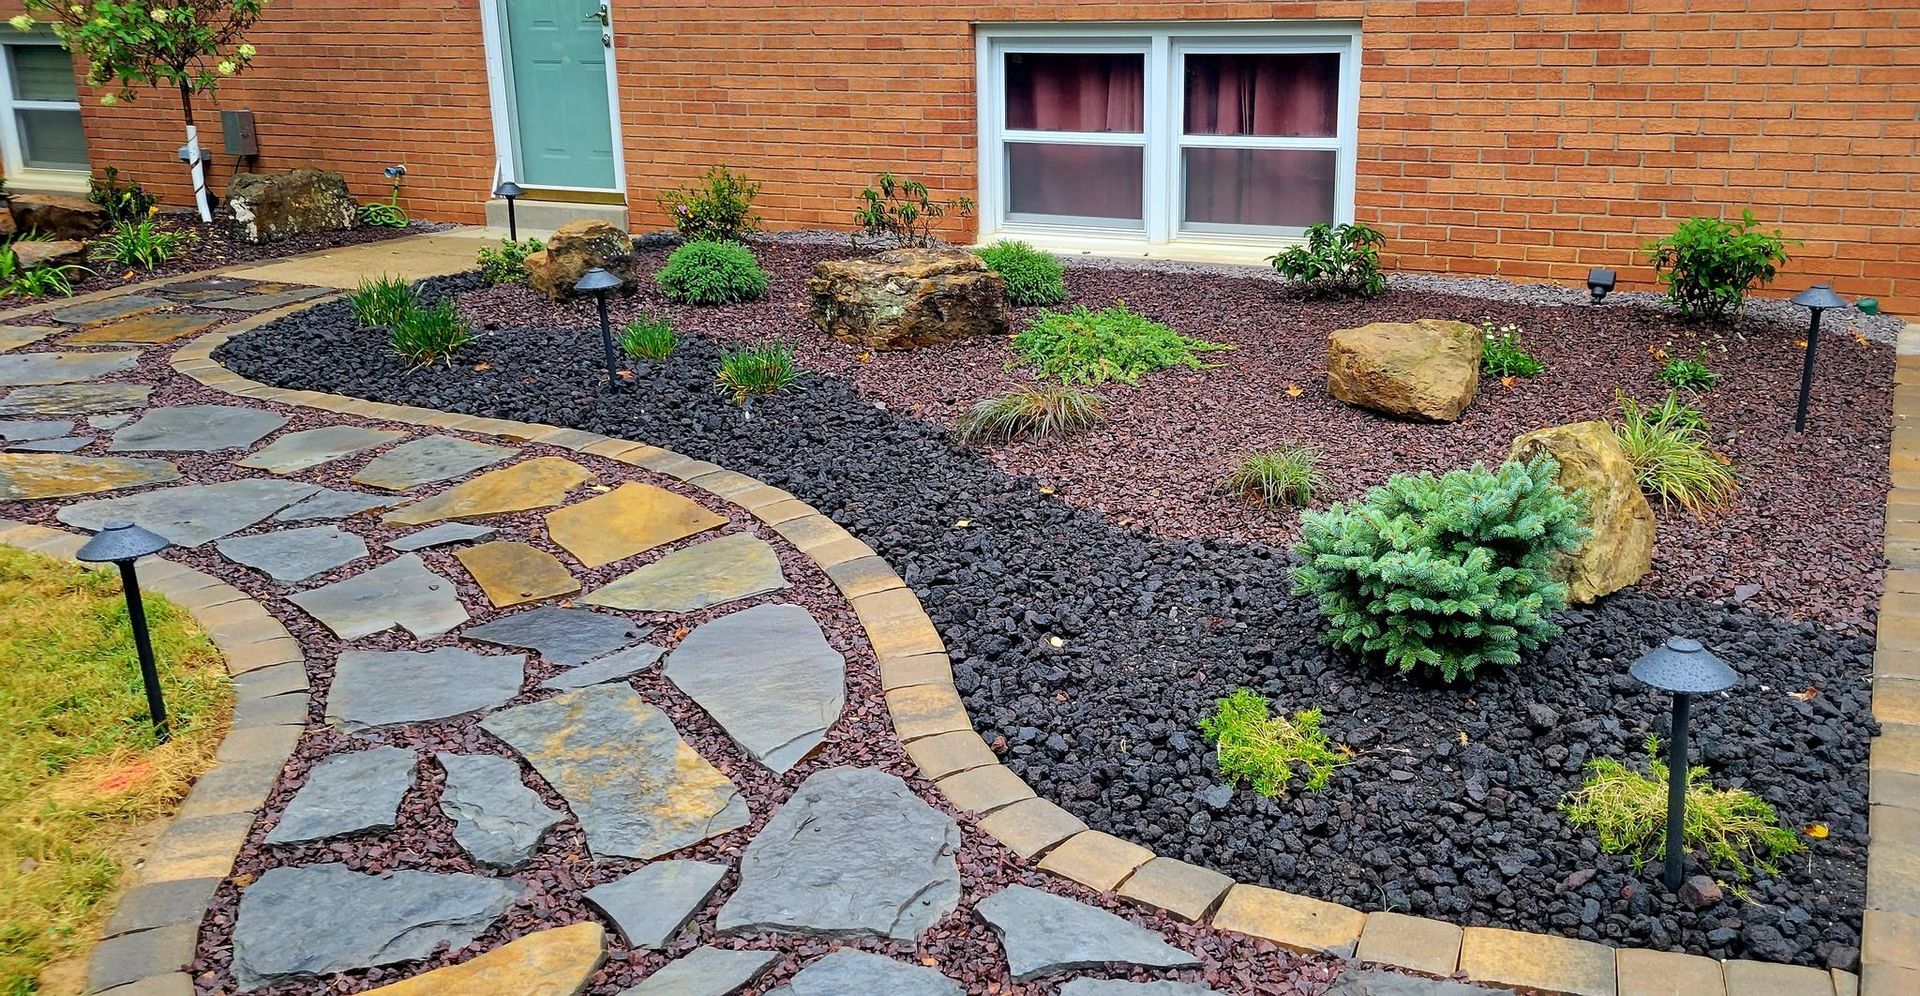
(1093, 347)
(1255, 746)
(1033, 277)
(712, 273)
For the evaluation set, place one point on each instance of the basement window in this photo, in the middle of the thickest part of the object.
(40, 109)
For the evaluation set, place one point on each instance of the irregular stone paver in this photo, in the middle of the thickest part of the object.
(298, 923)
(732, 567)
(74, 399)
(65, 444)
(514, 573)
(40, 369)
(847, 972)
(14, 336)
(649, 906)
(373, 688)
(400, 592)
(706, 972)
(106, 422)
(630, 519)
(854, 853)
(536, 483)
(297, 451)
(330, 504)
(427, 460)
(20, 430)
(206, 288)
(441, 535)
(1106, 987)
(141, 330)
(265, 302)
(196, 429)
(638, 790)
(618, 664)
(768, 677)
(193, 514)
(109, 308)
(559, 636)
(1044, 934)
(26, 476)
(347, 793)
(496, 817)
(556, 962)
(294, 554)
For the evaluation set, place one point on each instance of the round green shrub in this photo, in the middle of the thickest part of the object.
(1033, 277)
(712, 272)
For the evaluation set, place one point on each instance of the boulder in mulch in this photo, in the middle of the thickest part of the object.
(270, 207)
(908, 298)
(62, 252)
(1591, 459)
(1427, 369)
(58, 216)
(576, 248)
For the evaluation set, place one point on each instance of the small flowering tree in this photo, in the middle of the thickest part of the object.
(187, 45)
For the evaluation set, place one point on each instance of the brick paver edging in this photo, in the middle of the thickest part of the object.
(930, 719)
(157, 925)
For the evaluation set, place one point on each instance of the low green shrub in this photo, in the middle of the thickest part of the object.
(1690, 375)
(712, 273)
(1093, 347)
(1034, 278)
(430, 334)
(1709, 264)
(1036, 413)
(1255, 746)
(1282, 477)
(125, 203)
(139, 244)
(761, 369)
(1667, 444)
(648, 339)
(379, 302)
(47, 280)
(1502, 355)
(1443, 575)
(904, 211)
(719, 208)
(508, 263)
(1628, 810)
(1337, 259)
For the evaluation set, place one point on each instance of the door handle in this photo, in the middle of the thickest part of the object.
(602, 14)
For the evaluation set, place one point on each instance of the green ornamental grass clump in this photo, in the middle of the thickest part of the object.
(1093, 347)
(648, 339)
(1255, 746)
(1034, 277)
(45, 280)
(1282, 477)
(1667, 445)
(709, 272)
(761, 369)
(431, 334)
(379, 302)
(1443, 575)
(139, 244)
(1044, 412)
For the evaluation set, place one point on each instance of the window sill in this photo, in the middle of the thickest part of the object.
(1192, 248)
(49, 181)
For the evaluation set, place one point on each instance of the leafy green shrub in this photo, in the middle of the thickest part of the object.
(1253, 745)
(508, 263)
(1629, 812)
(719, 208)
(761, 369)
(1692, 375)
(46, 280)
(430, 334)
(1337, 259)
(1277, 478)
(1502, 355)
(1045, 412)
(648, 339)
(1709, 265)
(1443, 574)
(904, 210)
(1093, 347)
(124, 203)
(139, 244)
(380, 302)
(710, 273)
(1667, 444)
(1033, 277)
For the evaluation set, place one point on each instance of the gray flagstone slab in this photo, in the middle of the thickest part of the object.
(859, 973)
(1108, 987)
(74, 399)
(329, 503)
(105, 309)
(21, 430)
(727, 569)
(496, 817)
(426, 460)
(107, 422)
(294, 554)
(650, 905)
(196, 429)
(1044, 934)
(400, 592)
(619, 664)
(39, 369)
(376, 688)
(141, 330)
(706, 971)
(15, 336)
(297, 451)
(559, 636)
(347, 793)
(768, 677)
(441, 535)
(63, 444)
(194, 514)
(264, 302)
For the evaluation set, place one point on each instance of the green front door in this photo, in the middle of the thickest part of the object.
(562, 123)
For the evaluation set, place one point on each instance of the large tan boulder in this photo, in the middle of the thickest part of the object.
(1429, 369)
(1591, 459)
(57, 216)
(263, 207)
(908, 298)
(577, 247)
(32, 255)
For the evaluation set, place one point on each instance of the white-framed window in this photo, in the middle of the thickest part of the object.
(40, 110)
(1210, 132)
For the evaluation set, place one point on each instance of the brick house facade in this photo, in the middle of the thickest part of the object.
(1530, 139)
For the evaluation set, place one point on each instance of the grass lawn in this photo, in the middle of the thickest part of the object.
(79, 767)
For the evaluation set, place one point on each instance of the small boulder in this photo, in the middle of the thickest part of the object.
(59, 216)
(61, 253)
(269, 208)
(577, 247)
(1427, 370)
(908, 298)
(1620, 551)
(1699, 892)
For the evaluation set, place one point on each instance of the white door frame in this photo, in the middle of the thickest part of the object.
(506, 144)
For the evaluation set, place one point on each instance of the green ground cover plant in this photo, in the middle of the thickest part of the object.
(1503, 355)
(1094, 347)
(507, 264)
(1034, 278)
(1253, 745)
(1687, 374)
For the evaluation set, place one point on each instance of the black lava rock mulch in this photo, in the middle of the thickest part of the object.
(1449, 808)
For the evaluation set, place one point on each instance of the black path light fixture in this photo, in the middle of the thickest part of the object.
(598, 282)
(1815, 299)
(1683, 668)
(1599, 283)
(510, 190)
(122, 543)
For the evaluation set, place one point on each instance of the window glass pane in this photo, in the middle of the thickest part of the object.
(52, 139)
(1080, 181)
(1280, 188)
(42, 72)
(1292, 96)
(1076, 92)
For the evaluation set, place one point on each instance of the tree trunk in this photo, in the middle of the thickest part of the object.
(199, 169)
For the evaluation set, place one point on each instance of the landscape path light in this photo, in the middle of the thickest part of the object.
(1683, 668)
(1599, 283)
(598, 282)
(121, 543)
(510, 190)
(1815, 299)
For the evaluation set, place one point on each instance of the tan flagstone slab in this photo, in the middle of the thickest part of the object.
(1095, 859)
(1298, 923)
(536, 483)
(1641, 972)
(556, 962)
(1536, 961)
(29, 476)
(141, 330)
(632, 518)
(727, 569)
(1414, 942)
(74, 399)
(15, 336)
(1187, 891)
(514, 573)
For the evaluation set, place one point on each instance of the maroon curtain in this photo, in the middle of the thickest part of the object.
(1268, 96)
(1085, 93)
